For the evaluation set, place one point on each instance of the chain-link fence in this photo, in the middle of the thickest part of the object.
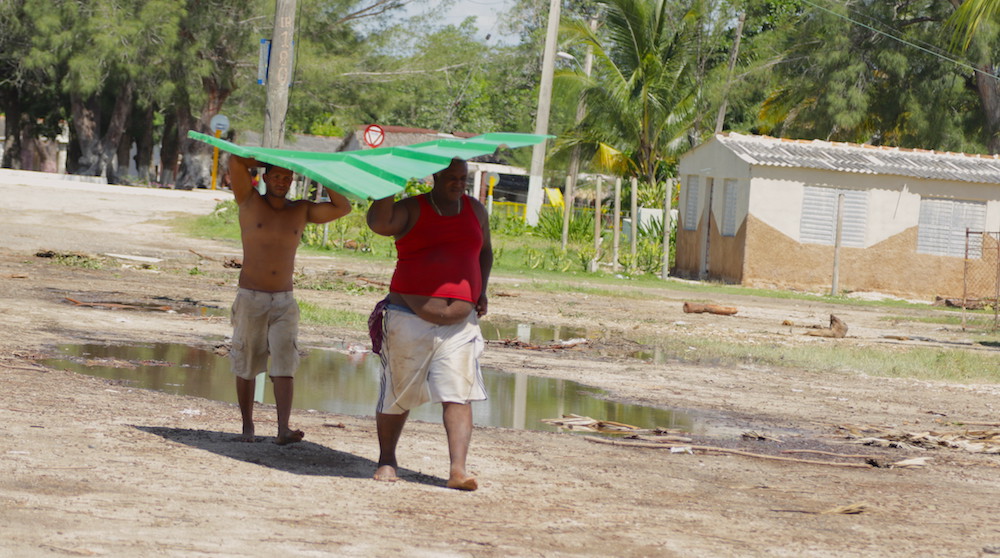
(981, 280)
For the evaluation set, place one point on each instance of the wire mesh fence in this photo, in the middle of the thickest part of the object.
(981, 280)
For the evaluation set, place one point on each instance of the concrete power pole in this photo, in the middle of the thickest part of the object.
(279, 74)
(534, 205)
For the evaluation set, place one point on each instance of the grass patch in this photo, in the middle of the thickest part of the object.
(949, 317)
(72, 260)
(310, 313)
(926, 363)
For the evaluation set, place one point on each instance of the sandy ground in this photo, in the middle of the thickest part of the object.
(92, 467)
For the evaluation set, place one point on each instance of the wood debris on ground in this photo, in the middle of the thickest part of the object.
(981, 440)
(696, 308)
(117, 306)
(837, 329)
(587, 424)
(754, 435)
(849, 509)
(558, 345)
(693, 449)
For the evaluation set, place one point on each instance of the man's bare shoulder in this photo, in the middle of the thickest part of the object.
(478, 208)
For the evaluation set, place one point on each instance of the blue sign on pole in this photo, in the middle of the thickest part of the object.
(262, 61)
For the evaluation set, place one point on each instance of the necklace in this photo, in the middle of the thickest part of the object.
(435, 205)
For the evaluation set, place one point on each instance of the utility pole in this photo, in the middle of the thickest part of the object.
(534, 205)
(279, 74)
(720, 118)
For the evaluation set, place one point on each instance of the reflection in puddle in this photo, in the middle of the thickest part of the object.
(655, 355)
(500, 330)
(348, 384)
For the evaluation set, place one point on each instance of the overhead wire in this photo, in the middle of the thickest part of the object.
(947, 58)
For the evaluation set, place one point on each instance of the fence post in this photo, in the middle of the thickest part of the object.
(634, 209)
(996, 285)
(836, 245)
(965, 279)
(617, 224)
(594, 264)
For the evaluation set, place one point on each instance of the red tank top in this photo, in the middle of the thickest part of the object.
(439, 256)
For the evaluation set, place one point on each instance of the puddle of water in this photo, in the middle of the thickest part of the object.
(348, 384)
(528, 333)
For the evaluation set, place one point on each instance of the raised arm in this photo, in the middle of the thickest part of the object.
(327, 211)
(388, 217)
(239, 174)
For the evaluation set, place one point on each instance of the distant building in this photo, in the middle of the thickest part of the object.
(762, 211)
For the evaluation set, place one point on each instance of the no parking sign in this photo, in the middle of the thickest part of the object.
(374, 135)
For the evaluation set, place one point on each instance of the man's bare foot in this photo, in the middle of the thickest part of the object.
(246, 438)
(290, 437)
(463, 483)
(386, 473)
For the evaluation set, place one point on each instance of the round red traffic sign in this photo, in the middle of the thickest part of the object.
(374, 135)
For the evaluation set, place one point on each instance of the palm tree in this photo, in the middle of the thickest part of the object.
(970, 15)
(641, 97)
(974, 22)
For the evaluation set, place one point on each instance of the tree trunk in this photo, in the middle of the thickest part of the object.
(86, 124)
(191, 174)
(168, 149)
(12, 143)
(988, 89)
(121, 166)
(196, 162)
(144, 145)
(30, 152)
(113, 135)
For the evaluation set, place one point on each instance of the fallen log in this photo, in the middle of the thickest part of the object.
(696, 308)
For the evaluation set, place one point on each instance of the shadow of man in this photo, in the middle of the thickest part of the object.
(302, 458)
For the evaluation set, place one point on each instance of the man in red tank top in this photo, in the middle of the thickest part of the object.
(432, 340)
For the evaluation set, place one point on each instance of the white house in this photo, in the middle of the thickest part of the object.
(762, 211)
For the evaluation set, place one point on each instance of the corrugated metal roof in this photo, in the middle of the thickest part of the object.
(866, 159)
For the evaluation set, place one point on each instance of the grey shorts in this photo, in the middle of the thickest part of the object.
(424, 362)
(264, 325)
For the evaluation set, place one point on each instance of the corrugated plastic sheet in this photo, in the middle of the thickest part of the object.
(867, 159)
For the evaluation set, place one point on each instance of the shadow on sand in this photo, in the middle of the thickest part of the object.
(303, 458)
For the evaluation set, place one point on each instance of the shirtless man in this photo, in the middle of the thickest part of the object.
(265, 315)
(432, 341)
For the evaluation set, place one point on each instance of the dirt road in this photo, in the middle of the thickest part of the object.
(97, 468)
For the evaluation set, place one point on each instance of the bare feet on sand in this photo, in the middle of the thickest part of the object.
(463, 482)
(247, 435)
(290, 437)
(386, 473)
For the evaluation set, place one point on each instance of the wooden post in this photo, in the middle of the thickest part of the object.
(635, 218)
(595, 263)
(836, 244)
(617, 224)
(567, 209)
(665, 270)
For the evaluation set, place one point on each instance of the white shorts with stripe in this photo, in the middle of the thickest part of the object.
(424, 362)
